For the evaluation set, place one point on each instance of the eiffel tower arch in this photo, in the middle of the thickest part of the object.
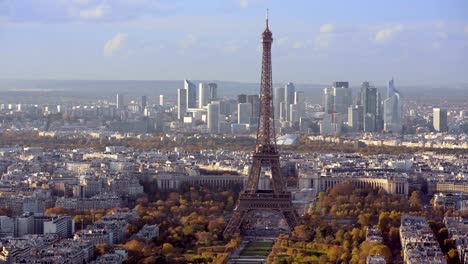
(265, 156)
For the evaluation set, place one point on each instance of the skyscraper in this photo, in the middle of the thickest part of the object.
(327, 100)
(369, 106)
(144, 102)
(439, 119)
(341, 100)
(213, 117)
(161, 100)
(289, 90)
(278, 98)
(203, 95)
(355, 117)
(244, 113)
(392, 115)
(213, 91)
(294, 113)
(242, 98)
(299, 100)
(254, 100)
(340, 84)
(181, 103)
(120, 101)
(191, 91)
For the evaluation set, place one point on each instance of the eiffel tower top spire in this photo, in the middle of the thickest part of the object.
(266, 136)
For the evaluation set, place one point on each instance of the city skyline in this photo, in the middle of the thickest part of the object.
(422, 42)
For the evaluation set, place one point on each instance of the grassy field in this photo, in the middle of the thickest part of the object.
(257, 249)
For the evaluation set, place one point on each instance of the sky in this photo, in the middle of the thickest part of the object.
(418, 42)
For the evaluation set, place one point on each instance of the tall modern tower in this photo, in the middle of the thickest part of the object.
(181, 104)
(254, 100)
(213, 87)
(191, 91)
(369, 106)
(289, 91)
(144, 102)
(392, 110)
(120, 101)
(203, 95)
(213, 117)
(278, 97)
(244, 113)
(161, 100)
(439, 119)
(265, 156)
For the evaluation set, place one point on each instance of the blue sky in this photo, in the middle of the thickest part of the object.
(416, 41)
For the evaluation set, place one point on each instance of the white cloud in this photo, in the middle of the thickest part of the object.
(231, 48)
(114, 44)
(298, 45)
(96, 12)
(188, 41)
(281, 41)
(327, 28)
(388, 34)
(324, 38)
(244, 3)
(81, 2)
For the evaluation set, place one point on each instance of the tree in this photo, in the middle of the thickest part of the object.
(102, 249)
(364, 219)
(415, 201)
(167, 249)
(452, 256)
(381, 250)
(301, 232)
(335, 253)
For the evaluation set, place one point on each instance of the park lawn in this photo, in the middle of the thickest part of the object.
(257, 248)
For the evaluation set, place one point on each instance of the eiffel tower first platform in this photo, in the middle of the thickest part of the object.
(278, 199)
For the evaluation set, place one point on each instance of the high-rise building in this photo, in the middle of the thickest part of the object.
(244, 113)
(392, 113)
(191, 94)
(144, 102)
(181, 104)
(294, 113)
(340, 84)
(278, 98)
(299, 100)
(341, 100)
(203, 95)
(369, 106)
(282, 111)
(355, 117)
(439, 119)
(289, 91)
(161, 100)
(213, 91)
(213, 117)
(254, 100)
(336, 101)
(327, 100)
(242, 98)
(120, 101)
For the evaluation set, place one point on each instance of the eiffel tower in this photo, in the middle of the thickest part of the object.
(278, 199)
